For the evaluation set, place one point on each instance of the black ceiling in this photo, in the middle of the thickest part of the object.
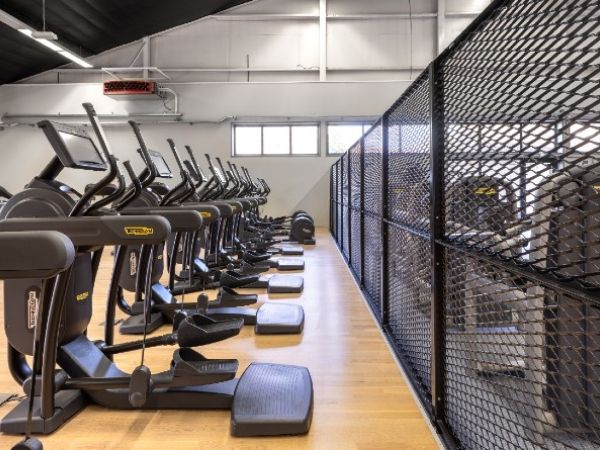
(89, 27)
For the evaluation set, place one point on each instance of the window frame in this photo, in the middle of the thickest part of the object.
(366, 126)
(262, 126)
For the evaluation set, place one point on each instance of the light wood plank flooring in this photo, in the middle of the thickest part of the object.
(362, 401)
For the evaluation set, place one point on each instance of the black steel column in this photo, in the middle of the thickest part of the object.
(349, 211)
(337, 209)
(438, 251)
(341, 206)
(362, 212)
(331, 200)
(384, 289)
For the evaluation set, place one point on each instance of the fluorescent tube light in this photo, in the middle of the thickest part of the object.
(76, 59)
(50, 45)
(56, 48)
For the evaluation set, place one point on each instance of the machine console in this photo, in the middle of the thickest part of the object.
(161, 165)
(73, 146)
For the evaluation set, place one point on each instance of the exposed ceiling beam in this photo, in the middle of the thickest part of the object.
(12, 21)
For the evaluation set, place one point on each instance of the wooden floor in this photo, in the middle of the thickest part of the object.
(361, 399)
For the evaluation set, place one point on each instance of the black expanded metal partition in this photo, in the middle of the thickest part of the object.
(470, 215)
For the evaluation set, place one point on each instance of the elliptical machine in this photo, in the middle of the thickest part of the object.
(268, 318)
(268, 399)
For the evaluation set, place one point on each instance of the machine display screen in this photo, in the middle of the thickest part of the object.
(82, 150)
(160, 164)
(220, 175)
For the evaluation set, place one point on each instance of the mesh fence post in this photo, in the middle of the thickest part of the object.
(331, 199)
(362, 212)
(337, 201)
(438, 250)
(384, 220)
(341, 206)
(349, 210)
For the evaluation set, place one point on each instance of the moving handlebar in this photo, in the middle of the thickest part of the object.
(98, 231)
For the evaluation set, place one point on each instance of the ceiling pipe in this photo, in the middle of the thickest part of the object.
(30, 119)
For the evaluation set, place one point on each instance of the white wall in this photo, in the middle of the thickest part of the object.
(297, 182)
(367, 45)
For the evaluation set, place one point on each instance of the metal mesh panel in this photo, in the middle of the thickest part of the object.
(522, 128)
(345, 207)
(522, 157)
(339, 202)
(335, 200)
(373, 142)
(522, 361)
(409, 134)
(409, 319)
(373, 149)
(354, 158)
(518, 100)
(372, 262)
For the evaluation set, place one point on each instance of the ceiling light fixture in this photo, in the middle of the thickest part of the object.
(46, 37)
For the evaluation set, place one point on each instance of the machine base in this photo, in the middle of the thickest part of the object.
(272, 400)
(67, 403)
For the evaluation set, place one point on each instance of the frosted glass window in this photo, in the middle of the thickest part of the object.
(340, 137)
(276, 140)
(248, 140)
(305, 140)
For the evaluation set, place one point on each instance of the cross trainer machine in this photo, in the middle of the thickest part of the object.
(268, 318)
(268, 399)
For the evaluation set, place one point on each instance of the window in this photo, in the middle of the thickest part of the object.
(340, 136)
(276, 140)
(584, 137)
(305, 140)
(247, 140)
(300, 139)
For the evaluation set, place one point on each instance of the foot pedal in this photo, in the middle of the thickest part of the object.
(271, 400)
(198, 330)
(135, 324)
(190, 368)
(248, 315)
(252, 269)
(279, 284)
(279, 318)
(290, 264)
(227, 297)
(254, 257)
(233, 279)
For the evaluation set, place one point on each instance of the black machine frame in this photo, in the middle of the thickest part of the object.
(468, 216)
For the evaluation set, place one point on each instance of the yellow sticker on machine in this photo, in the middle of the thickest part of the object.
(82, 297)
(596, 188)
(485, 191)
(205, 214)
(139, 231)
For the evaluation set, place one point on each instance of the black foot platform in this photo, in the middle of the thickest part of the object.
(279, 318)
(271, 400)
(289, 264)
(279, 284)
